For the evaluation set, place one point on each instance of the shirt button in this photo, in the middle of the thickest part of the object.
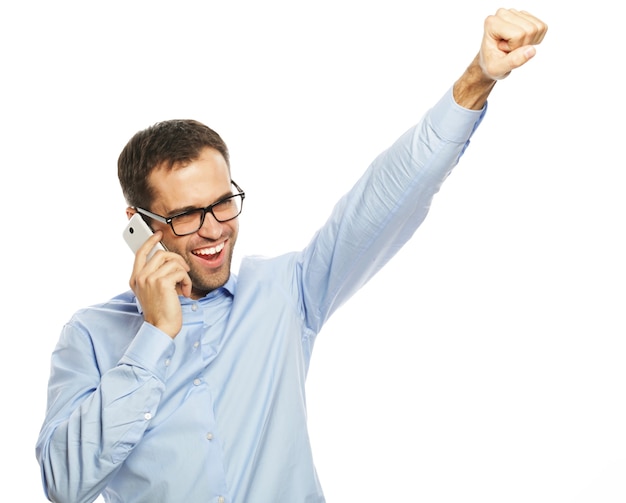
(196, 382)
(196, 344)
(209, 436)
(167, 362)
(221, 499)
(194, 307)
(147, 416)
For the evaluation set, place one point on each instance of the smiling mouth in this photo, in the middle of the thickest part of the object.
(209, 252)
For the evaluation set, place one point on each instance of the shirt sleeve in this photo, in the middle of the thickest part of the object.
(93, 421)
(384, 208)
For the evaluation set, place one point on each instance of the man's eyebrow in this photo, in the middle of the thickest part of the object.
(184, 209)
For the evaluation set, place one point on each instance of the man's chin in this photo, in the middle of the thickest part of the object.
(201, 286)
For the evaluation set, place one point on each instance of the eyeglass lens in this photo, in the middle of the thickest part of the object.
(223, 210)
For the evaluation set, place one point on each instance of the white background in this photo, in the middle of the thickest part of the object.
(486, 362)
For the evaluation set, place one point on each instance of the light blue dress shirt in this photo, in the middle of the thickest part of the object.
(218, 414)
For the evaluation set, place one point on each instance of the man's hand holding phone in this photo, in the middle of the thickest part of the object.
(157, 282)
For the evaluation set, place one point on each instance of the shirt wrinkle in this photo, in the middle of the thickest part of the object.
(220, 410)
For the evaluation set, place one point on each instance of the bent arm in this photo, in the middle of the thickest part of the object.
(93, 422)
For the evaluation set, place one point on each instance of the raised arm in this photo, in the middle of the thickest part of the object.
(508, 42)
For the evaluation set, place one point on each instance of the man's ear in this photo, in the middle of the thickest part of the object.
(130, 212)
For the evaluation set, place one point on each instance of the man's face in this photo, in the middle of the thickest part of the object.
(208, 251)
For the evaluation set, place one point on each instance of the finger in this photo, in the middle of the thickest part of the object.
(512, 29)
(157, 269)
(184, 287)
(150, 243)
(542, 28)
(534, 27)
(167, 264)
(162, 274)
(141, 256)
(520, 56)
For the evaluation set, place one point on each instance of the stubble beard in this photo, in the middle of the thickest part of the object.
(204, 282)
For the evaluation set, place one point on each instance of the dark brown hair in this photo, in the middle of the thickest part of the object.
(167, 144)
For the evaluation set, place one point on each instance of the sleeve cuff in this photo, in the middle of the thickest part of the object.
(151, 350)
(454, 122)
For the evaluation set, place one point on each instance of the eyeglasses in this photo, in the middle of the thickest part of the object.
(191, 221)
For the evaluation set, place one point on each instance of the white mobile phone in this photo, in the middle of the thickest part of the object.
(137, 233)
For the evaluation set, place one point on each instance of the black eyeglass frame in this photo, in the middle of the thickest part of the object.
(208, 209)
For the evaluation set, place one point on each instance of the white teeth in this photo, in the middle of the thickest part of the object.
(210, 251)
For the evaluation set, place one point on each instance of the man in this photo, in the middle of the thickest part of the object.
(191, 387)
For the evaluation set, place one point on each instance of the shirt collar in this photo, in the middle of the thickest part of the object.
(227, 289)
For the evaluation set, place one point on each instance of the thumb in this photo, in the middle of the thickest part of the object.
(498, 68)
(520, 56)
